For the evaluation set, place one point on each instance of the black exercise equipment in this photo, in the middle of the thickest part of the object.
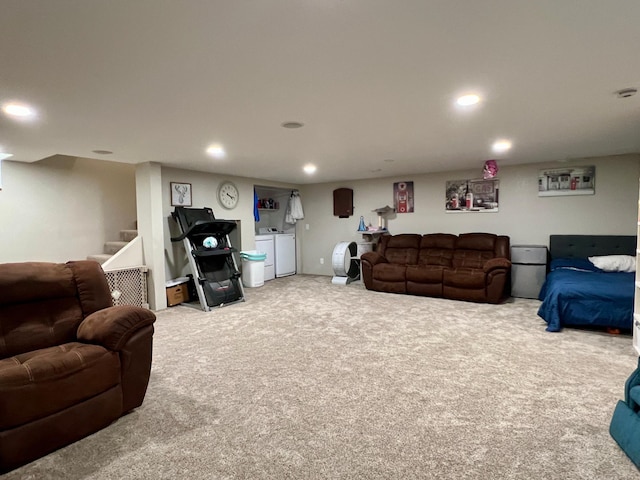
(215, 272)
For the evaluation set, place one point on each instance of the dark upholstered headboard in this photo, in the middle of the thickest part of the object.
(583, 246)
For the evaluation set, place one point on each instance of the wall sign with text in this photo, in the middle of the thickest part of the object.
(472, 195)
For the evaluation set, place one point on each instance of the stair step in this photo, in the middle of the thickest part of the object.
(128, 235)
(113, 247)
(100, 258)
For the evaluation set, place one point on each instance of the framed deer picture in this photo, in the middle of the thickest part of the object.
(180, 194)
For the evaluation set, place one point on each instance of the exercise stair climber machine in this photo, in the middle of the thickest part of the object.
(210, 253)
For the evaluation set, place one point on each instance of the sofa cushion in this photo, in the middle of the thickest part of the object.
(42, 303)
(477, 241)
(465, 278)
(389, 272)
(474, 249)
(437, 249)
(38, 324)
(401, 249)
(36, 384)
(35, 281)
(425, 273)
(471, 258)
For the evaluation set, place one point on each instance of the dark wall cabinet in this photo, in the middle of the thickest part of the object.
(343, 202)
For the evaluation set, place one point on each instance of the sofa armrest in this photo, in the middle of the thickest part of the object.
(112, 327)
(495, 264)
(373, 258)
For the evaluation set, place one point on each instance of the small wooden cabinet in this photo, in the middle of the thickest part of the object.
(343, 202)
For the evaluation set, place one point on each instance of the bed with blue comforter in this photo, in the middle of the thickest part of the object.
(577, 293)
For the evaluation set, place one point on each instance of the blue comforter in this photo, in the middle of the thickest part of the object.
(579, 297)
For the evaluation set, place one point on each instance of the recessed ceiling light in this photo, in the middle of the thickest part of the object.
(102, 152)
(501, 146)
(309, 168)
(216, 151)
(18, 110)
(467, 100)
(292, 124)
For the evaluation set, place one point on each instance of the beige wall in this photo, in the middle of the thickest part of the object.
(522, 215)
(63, 208)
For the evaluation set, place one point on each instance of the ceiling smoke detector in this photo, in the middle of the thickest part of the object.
(626, 92)
(293, 124)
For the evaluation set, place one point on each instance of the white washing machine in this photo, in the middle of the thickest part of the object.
(285, 245)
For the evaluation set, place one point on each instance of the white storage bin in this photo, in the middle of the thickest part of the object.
(253, 268)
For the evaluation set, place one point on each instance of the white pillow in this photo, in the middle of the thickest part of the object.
(615, 263)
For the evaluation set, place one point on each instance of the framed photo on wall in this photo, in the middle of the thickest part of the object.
(180, 194)
(567, 181)
(472, 195)
(403, 197)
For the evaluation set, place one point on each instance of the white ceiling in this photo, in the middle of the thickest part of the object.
(374, 82)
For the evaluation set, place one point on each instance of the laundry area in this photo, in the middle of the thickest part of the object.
(276, 212)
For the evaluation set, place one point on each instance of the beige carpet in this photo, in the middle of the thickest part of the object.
(310, 380)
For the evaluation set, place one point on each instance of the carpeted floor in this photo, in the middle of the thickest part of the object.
(309, 380)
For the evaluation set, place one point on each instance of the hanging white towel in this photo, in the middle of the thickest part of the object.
(287, 216)
(294, 209)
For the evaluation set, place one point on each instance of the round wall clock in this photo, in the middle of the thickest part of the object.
(228, 195)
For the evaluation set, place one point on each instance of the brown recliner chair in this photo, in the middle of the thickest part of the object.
(70, 362)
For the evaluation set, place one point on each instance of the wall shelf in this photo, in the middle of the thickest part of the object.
(373, 232)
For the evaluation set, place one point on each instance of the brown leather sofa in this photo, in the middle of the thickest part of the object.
(70, 362)
(472, 266)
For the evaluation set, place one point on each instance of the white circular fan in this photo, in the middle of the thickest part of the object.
(345, 262)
